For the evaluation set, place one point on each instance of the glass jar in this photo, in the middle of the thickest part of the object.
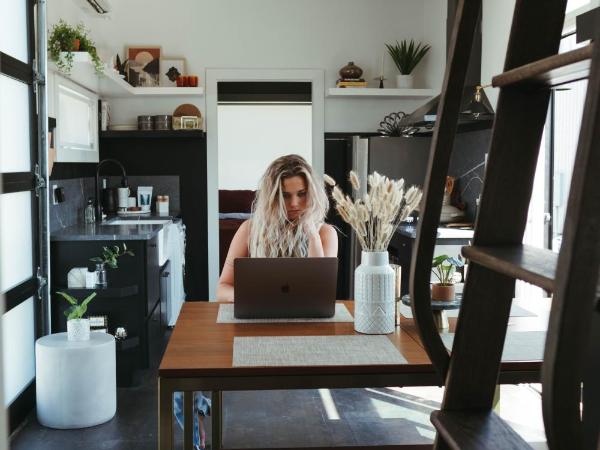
(101, 278)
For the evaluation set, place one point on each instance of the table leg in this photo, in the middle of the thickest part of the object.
(440, 319)
(216, 411)
(188, 420)
(165, 414)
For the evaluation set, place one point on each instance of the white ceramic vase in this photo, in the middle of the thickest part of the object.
(404, 81)
(374, 287)
(78, 330)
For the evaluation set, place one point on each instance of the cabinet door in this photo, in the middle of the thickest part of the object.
(76, 112)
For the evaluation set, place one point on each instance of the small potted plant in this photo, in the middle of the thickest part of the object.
(78, 328)
(443, 267)
(65, 39)
(406, 55)
(108, 258)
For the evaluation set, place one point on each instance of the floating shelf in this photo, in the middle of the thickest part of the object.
(376, 92)
(156, 134)
(109, 292)
(111, 85)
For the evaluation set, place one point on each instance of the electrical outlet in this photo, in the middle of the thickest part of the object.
(54, 199)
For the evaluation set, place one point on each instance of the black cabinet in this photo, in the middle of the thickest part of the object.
(133, 292)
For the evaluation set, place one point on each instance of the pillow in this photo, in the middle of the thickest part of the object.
(238, 215)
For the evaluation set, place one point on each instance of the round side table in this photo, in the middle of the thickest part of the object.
(439, 309)
(76, 383)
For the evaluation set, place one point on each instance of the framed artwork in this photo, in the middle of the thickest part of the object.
(170, 69)
(144, 65)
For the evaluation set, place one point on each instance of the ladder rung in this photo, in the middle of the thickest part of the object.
(476, 431)
(552, 71)
(531, 264)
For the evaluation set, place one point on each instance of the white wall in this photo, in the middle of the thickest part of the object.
(311, 34)
(495, 28)
(251, 136)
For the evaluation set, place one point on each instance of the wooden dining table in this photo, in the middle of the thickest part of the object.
(199, 357)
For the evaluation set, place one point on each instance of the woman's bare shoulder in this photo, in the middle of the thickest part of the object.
(327, 230)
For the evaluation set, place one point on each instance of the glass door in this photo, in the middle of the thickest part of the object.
(19, 208)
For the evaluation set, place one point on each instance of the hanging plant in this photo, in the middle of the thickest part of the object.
(65, 39)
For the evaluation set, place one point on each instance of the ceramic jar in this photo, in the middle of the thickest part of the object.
(374, 289)
(350, 71)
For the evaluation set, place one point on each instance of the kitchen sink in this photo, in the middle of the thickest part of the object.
(139, 222)
(161, 242)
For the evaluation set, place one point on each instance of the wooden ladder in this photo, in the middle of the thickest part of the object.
(497, 256)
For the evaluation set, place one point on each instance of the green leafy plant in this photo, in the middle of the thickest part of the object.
(65, 39)
(443, 267)
(110, 255)
(407, 55)
(76, 310)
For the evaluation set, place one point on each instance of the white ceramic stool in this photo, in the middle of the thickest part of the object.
(76, 383)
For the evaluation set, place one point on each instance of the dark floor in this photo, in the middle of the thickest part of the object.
(260, 419)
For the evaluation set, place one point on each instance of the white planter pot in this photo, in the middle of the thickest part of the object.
(374, 287)
(404, 81)
(78, 330)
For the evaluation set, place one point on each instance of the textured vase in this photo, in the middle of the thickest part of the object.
(404, 81)
(374, 287)
(350, 71)
(78, 330)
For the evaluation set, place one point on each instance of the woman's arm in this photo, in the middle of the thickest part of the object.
(237, 249)
(323, 243)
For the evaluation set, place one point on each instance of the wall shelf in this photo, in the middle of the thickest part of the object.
(111, 85)
(376, 92)
(153, 134)
(109, 292)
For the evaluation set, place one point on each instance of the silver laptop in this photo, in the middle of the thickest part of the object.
(284, 287)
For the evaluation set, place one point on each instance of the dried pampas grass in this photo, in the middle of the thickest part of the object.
(375, 217)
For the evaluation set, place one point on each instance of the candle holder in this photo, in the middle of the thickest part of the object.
(381, 80)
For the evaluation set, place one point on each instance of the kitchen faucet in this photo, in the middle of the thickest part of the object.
(123, 184)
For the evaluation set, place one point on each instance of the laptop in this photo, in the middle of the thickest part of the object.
(284, 287)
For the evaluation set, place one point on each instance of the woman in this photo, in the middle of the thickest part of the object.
(288, 216)
(287, 220)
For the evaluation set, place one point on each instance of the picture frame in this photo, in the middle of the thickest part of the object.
(170, 69)
(190, 123)
(143, 66)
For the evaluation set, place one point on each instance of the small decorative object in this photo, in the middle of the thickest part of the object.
(374, 219)
(393, 125)
(145, 123)
(443, 267)
(449, 212)
(121, 333)
(108, 258)
(406, 56)
(144, 65)
(65, 39)
(121, 67)
(350, 71)
(98, 323)
(187, 117)
(162, 205)
(78, 329)
(144, 197)
(170, 69)
(163, 122)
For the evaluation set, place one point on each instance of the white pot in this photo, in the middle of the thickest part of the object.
(374, 287)
(78, 330)
(404, 81)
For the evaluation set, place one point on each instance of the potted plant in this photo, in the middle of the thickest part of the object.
(443, 267)
(406, 55)
(108, 258)
(65, 39)
(374, 219)
(78, 328)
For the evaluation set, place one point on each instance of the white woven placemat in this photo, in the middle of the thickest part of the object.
(518, 345)
(515, 311)
(342, 314)
(314, 351)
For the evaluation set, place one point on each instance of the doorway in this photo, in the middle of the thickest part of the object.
(246, 111)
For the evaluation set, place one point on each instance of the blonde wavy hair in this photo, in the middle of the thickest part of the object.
(272, 234)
